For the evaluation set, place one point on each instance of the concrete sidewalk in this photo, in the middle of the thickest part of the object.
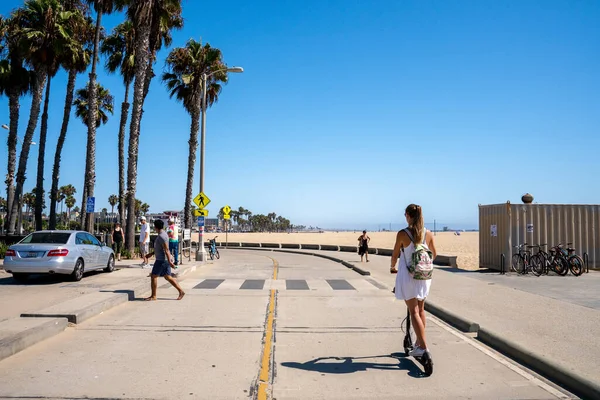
(524, 313)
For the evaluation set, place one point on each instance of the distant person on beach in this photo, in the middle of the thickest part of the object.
(117, 239)
(173, 233)
(163, 263)
(144, 241)
(412, 291)
(363, 246)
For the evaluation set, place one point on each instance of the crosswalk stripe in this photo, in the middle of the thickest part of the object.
(330, 285)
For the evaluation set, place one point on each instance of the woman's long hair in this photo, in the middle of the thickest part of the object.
(416, 223)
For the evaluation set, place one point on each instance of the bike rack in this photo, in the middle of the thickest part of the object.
(502, 264)
(586, 262)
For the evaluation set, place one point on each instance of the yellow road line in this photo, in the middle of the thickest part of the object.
(263, 377)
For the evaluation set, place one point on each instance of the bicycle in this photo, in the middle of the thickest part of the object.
(574, 262)
(212, 248)
(521, 259)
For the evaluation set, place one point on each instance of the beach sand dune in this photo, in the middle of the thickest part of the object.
(465, 246)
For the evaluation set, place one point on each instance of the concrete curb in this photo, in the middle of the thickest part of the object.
(76, 310)
(451, 318)
(553, 370)
(23, 333)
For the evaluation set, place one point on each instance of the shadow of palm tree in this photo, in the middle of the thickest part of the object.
(349, 365)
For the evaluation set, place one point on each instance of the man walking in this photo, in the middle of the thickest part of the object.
(173, 233)
(144, 241)
(162, 265)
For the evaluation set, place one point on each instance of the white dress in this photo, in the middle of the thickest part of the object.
(406, 287)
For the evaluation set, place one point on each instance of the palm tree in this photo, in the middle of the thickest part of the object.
(104, 103)
(69, 202)
(15, 81)
(48, 32)
(113, 199)
(101, 7)
(118, 47)
(186, 67)
(38, 30)
(141, 13)
(75, 63)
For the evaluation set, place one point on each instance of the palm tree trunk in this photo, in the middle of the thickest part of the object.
(122, 127)
(59, 147)
(39, 189)
(141, 62)
(83, 212)
(13, 104)
(90, 172)
(34, 114)
(193, 145)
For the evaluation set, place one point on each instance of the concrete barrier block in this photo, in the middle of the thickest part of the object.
(330, 247)
(384, 252)
(446, 260)
(309, 246)
(230, 244)
(351, 249)
(270, 245)
(81, 308)
(250, 244)
(290, 246)
(19, 333)
(372, 250)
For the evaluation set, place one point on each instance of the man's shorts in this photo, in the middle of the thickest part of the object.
(143, 249)
(161, 268)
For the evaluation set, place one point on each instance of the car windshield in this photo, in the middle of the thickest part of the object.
(47, 237)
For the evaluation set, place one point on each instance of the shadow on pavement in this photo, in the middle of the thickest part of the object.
(46, 279)
(349, 365)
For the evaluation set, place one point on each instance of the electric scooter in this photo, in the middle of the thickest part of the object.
(425, 360)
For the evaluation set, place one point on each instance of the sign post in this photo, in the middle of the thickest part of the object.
(201, 200)
(89, 208)
(226, 217)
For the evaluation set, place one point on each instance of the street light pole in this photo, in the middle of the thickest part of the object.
(201, 252)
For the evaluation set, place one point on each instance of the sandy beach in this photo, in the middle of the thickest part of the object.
(465, 246)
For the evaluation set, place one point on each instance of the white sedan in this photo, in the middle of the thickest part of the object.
(58, 252)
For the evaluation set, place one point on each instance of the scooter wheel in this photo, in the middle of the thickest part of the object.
(427, 364)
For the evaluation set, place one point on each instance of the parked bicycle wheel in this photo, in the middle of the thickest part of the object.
(212, 255)
(518, 263)
(560, 266)
(537, 264)
(217, 254)
(576, 265)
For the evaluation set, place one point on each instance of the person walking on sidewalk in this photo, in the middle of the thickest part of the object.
(173, 233)
(363, 246)
(412, 291)
(117, 239)
(162, 265)
(144, 241)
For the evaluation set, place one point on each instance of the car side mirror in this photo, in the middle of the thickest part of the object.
(102, 244)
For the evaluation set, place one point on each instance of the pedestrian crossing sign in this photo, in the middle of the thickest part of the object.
(201, 200)
(226, 211)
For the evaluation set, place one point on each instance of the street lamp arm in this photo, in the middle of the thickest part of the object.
(231, 69)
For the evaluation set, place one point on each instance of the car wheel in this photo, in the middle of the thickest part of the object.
(77, 273)
(20, 277)
(110, 267)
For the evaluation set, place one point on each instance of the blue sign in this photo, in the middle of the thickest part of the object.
(200, 221)
(91, 202)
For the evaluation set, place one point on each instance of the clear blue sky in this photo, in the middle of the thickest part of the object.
(349, 110)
